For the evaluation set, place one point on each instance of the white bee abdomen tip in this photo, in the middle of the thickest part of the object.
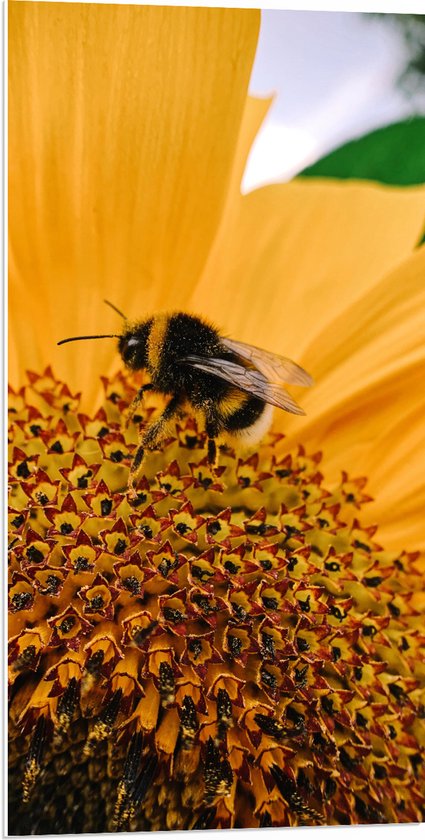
(253, 434)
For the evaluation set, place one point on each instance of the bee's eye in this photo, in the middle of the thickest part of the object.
(127, 347)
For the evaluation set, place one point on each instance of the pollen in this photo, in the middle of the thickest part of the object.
(225, 648)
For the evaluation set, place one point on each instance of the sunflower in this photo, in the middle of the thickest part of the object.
(230, 648)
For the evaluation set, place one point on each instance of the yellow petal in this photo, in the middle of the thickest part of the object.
(254, 114)
(123, 127)
(255, 111)
(296, 255)
(367, 408)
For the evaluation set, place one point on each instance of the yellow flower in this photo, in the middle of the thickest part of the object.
(125, 165)
(232, 649)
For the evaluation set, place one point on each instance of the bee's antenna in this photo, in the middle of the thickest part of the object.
(112, 305)
(84, 337)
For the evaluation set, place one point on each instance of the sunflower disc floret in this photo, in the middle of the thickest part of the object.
(229, 648)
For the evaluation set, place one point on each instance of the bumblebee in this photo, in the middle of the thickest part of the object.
(232, 385)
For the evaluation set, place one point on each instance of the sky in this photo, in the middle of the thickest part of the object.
(334, 76)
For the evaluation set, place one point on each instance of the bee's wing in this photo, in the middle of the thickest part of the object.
(275, 368)
(246, 379)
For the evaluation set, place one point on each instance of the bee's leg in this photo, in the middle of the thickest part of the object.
(136, 401)
(212, 427)
(135, 466)
(157, 429)
(212, 452)
(134, 469)
(150, 438)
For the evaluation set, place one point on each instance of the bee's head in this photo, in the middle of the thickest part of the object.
(133, 344)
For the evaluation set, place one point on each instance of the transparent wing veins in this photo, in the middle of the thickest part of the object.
(275, 368)
(250, 380)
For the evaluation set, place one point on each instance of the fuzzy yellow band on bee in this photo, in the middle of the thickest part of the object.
(156, 340)
(231, 402)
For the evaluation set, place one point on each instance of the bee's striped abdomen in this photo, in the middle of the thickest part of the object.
(250, 421)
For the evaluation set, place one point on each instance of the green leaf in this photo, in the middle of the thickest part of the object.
(394, 154)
